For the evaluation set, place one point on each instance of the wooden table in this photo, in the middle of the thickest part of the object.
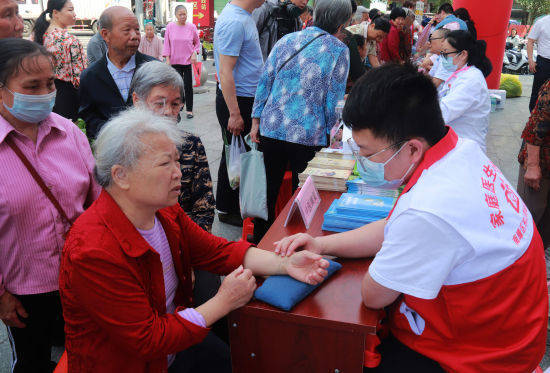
(325, 332)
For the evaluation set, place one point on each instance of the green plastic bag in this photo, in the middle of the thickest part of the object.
(253, 189)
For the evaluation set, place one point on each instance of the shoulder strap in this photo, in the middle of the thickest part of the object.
(38, 179)
(299, 50)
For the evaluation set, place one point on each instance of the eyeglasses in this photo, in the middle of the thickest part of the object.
(430, 39)
(445, 54)
(355, 149)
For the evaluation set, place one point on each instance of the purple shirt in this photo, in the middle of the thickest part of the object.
(180, 42)
(158, 241)
(156, 237)
(31, 229)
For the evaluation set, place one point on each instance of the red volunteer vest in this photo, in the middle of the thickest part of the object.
(495, 324)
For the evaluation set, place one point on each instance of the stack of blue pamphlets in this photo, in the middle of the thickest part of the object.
(353, 210)
(357, 185)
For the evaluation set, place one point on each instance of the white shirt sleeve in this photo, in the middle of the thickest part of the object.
(535, 30)
(418, 253)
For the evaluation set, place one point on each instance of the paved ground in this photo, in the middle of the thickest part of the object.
(503, 143)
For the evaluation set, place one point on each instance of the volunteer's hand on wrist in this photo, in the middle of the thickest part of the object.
(288, 245)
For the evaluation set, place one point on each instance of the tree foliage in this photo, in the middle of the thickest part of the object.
(535, 8)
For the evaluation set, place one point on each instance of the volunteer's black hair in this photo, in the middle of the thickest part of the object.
(382, 24)
(397, 103)
(462, 40)
(42, 23)
(374, 13)
(464, 15)
(397, 12)
(12, 53)
(446, 7)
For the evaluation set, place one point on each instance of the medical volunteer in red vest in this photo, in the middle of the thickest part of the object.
(459, 261)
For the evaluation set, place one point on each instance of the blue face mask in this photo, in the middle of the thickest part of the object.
(31, 108)
(373, 173)
(448, 64)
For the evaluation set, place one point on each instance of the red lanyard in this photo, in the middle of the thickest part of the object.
(456, 73)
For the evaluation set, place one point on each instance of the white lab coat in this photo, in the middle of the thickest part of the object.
(465, 104)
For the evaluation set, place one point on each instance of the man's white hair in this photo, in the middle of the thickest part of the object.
(120, 141)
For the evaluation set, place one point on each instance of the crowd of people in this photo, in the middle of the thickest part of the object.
(111, 253)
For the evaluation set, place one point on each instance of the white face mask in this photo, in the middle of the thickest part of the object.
(373, 173)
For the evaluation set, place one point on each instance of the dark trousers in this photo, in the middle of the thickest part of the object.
(538, 202)
(278, 155)
(32, 345)
(66, 100)
(541, 76)
(227, 199)
(396, 357)
(210, 356)
(186, 73)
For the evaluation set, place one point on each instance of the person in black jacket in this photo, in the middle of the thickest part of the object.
(105, 85)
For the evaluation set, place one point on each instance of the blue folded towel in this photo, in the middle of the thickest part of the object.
(282, 291)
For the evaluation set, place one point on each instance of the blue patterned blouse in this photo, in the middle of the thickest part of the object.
(298, 103)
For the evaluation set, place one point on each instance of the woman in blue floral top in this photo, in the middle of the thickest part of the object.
(294, 108)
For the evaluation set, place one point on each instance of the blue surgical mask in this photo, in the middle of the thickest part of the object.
(373, 173)
(448, 64)
(31, 108)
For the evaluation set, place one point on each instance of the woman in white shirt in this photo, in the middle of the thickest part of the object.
(464, 97)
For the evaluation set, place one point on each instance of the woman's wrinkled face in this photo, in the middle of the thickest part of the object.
(181, 16)
(164, 100)
(154, 182)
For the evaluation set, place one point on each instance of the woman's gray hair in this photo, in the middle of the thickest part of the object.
(120, 141)
(154, 73)
(329, 15)
(358, 16)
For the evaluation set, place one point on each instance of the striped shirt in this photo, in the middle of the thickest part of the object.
(31, 229)
(158, 241)
(122, 77)
(156, 237)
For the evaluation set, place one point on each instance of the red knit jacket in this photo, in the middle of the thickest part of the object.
(112, 289)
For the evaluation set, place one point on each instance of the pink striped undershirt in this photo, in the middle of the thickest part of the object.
(158, 241)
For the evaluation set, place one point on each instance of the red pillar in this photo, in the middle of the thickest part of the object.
(491, 19)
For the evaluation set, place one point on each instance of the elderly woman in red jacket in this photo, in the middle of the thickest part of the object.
(125, 277)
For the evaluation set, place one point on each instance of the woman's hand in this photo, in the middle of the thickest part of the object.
(307, 267)
(532, 177)
(237, 289)
(10, 308)
(194, 57)
(255, 130)
(288, 245)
